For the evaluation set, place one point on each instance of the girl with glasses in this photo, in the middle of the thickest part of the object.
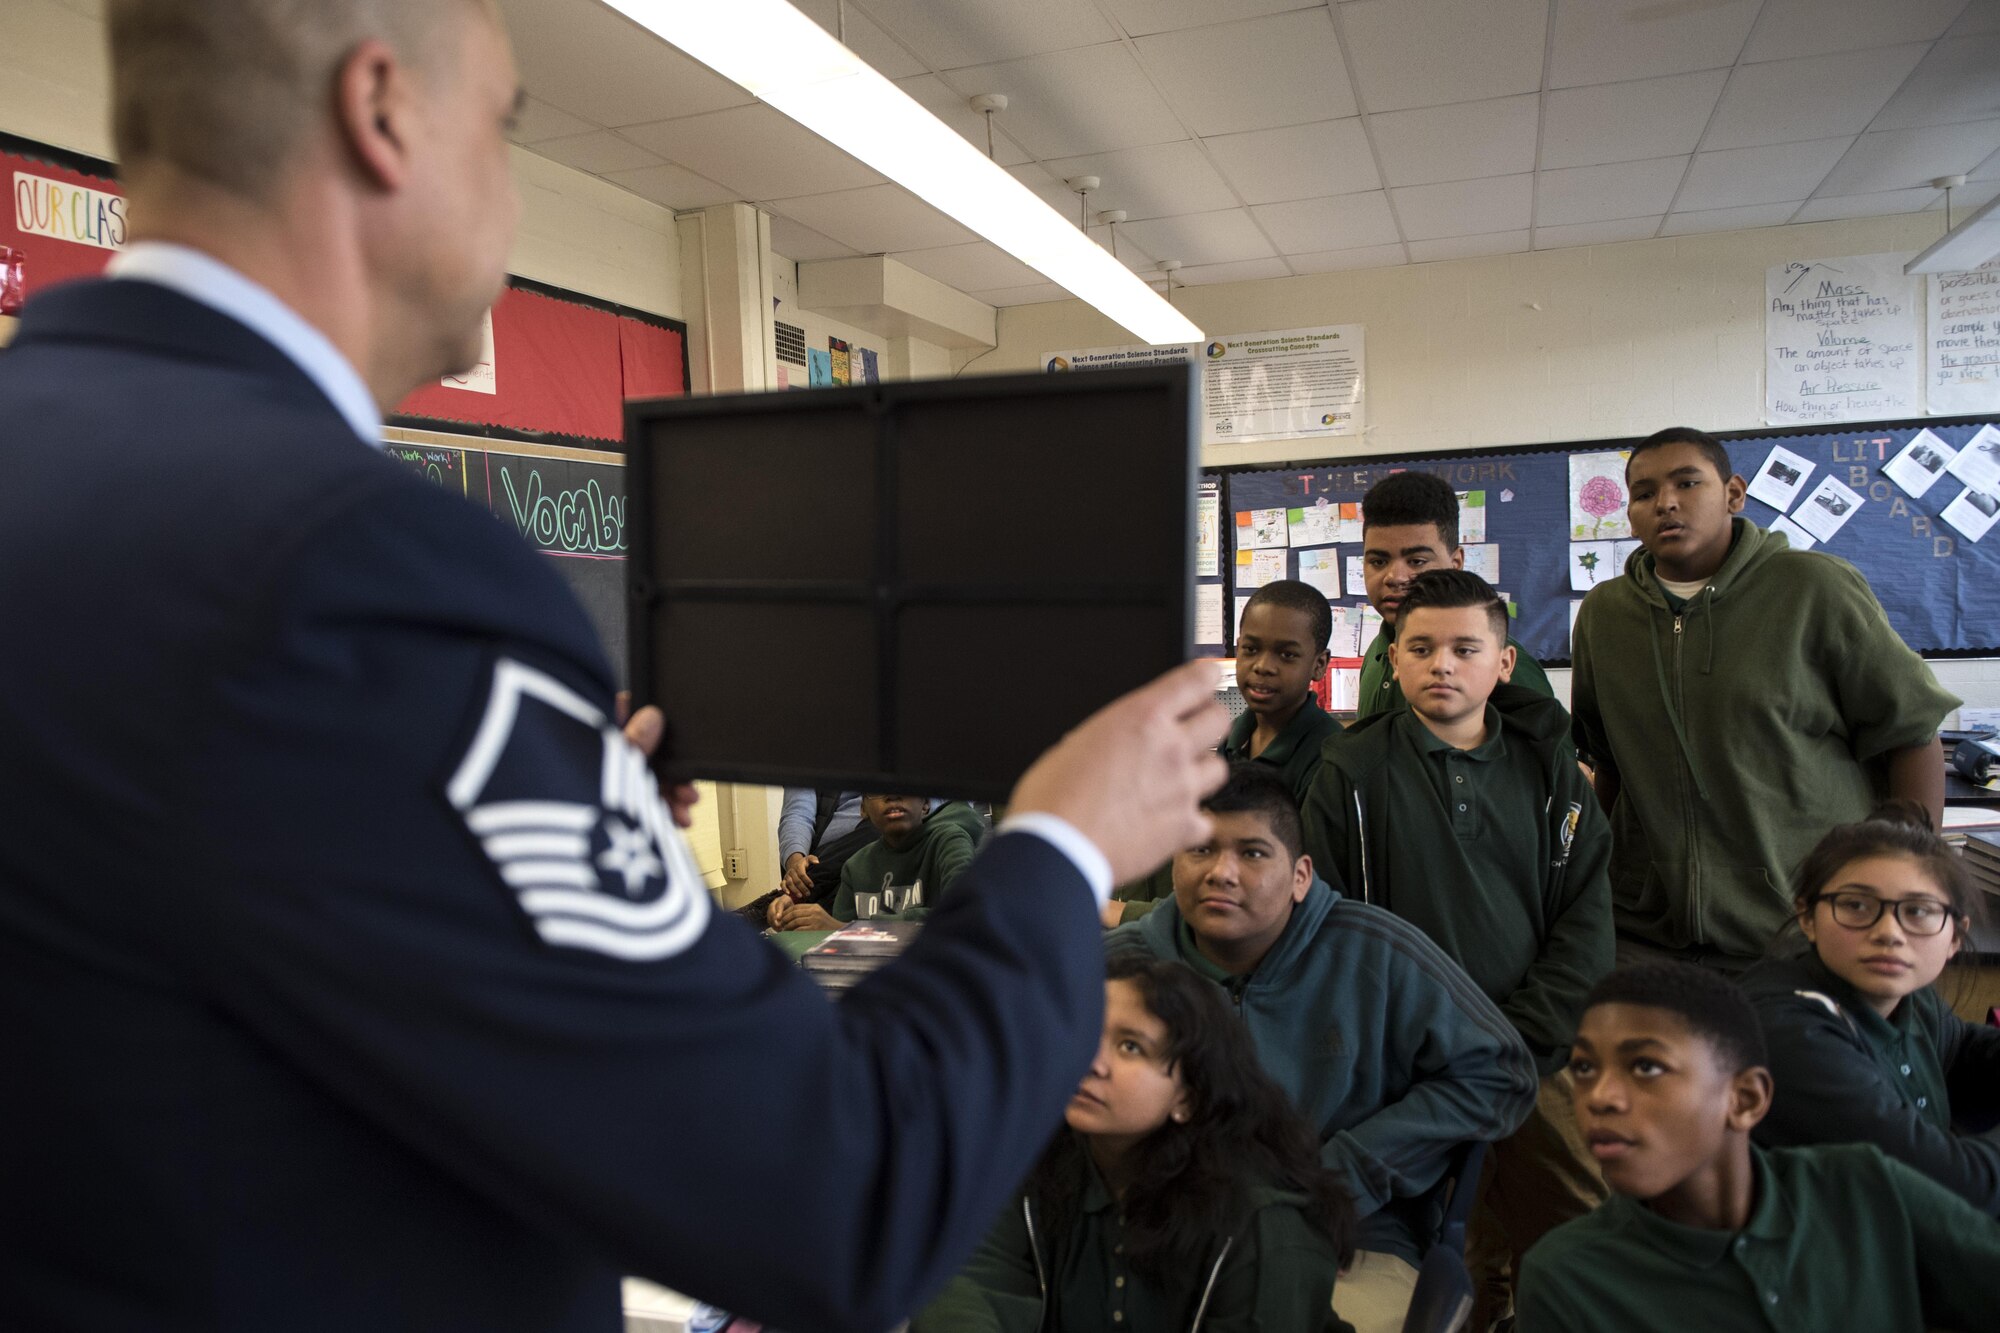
(1863, 1048)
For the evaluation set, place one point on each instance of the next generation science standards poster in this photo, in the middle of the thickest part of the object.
(1289, 384)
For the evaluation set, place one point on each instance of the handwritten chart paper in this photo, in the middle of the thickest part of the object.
(1597, 497)
(1840, 340)
(1964, 369)
(1208, 613)
(1208, 537)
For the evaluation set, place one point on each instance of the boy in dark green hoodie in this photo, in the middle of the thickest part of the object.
(1409, 523)
(1466, 815)
(916, 847)
(1737, 698)
(1706, 1231)
(1387, 1046)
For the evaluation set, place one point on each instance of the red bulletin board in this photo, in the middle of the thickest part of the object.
(62, 222)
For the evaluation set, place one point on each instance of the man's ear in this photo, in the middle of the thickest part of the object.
(1302, 877)
(1458, 557)
(1321, 663)
(1508, 660)
(1749, 1098)
(1736, 488)
(1803, 914)
(373, 105)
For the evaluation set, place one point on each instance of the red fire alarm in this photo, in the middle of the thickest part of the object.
(12, 285)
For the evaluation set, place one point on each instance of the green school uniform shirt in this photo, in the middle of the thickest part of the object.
(1381, 694)
(1742, 728)
(1499, 854)
(1845, 1074)
(1277, 1274)
(1839, 1238)
(937, 855)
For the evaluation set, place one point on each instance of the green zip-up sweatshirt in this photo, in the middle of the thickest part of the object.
(937, 855)
(1845, 1074)
(1742, 727)
(1534, 946)
(1381, 694)
(1275, 1274)
(1382, 1042)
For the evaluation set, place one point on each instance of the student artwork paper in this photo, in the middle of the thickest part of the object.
(1591, 563)
(1780, 478)
(1242, 605)
(1827, 509)
(1321, 569)
(1973, 512)
(1622, 552)
(1978, 463)
(1471, 517)
(1922, 461)
(1345, 691)
(1346, 640)
(1208, 614)
(1800, 539)
(1315, 525)
(1350, 523)
(1964, 353)
(1371, 625)
(1208, 535)
(1597, 497)
(1484, 560)
(1840, 340)
(1254, 569)
(1355, 564)
(1261, 528)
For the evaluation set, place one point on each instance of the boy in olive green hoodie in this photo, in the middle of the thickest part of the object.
(921, 843)
(1737, 698)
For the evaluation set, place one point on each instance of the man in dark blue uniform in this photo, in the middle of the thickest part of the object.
(353, 973)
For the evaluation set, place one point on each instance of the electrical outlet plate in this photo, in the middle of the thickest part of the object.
(733, 863)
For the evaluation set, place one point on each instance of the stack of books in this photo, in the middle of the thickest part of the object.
(1982, 858)
(840, 961)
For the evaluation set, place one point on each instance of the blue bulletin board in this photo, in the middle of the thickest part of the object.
(1941, 590)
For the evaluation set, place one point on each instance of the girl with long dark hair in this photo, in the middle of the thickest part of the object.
(1182, 1193)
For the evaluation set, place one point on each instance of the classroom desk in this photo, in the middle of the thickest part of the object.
(794, 943)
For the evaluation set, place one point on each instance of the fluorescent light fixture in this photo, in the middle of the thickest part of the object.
(1965, 247)
(789, 62)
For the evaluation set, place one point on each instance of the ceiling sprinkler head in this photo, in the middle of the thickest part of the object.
(989, 102)
(1083, 184)
(1170, 265)
(1111, 215)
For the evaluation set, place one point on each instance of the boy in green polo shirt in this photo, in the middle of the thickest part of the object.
(1706, 1231)
(1466, 815)
(922, 842)
(1409, 523)
(1737, 699)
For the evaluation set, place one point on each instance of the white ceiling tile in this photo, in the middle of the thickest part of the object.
(1605, 41)
(1243, 270)
(1905, 159)
(864, 37)
(1462, 141)
(950, 106)
(1607, 193)
(1789, 28)
(1596, 233)
(1252, 75)
(1729, 219)
(1959, 80)
(1465, 208)
(672, 186)
(756, 151)
(1343, 222)
(1968, 198)
(1031, 295)
(1410, 53)
(1339, 261)
(1988, 170)
(596, 152)
(1880, 204)
(877, 219)
(1297, 161)
(1048, 189)
(952, 36)
(1786, 101)
(802, 244)
(1625, 122)
(1469, 247)
(980, 266)
(1151, 182)
(538, 121)
(1201, 238)
(1088, 100)
(592, 62)
(1979, 16)
(1769, 175)
(1139, 17)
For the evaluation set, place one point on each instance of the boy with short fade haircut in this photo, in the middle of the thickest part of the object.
(1737, 698)
(923, 842)
(1384, 1043)
(1465, 814)
(1409, 523)
(1705, 1230)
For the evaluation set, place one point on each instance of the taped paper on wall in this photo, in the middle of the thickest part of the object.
(1922, 461)
(1780, 478)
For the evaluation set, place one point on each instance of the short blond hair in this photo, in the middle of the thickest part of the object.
(225, 90)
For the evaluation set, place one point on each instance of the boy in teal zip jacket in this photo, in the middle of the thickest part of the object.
(1737, 698)
(1381, 1040)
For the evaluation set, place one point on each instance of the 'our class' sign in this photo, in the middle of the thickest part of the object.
(63, 211)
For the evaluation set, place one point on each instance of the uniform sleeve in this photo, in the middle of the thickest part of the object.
(1957, 1251)
(998, 1291)
(1327, 821)
(420, 866)
(953, 858)
(1885, 694)
(1277, 1278)
(1586, 721)
(1830, 1090)
(1971, 1057)
(1472, 1078)
(795, 823)
(1548, 1003)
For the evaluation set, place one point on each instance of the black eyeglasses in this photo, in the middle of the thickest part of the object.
(1859, 911)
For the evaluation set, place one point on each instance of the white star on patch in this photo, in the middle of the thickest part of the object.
(630, 855)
